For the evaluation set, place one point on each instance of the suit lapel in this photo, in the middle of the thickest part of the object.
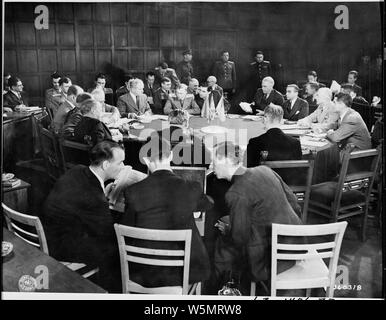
(294, 109)
(132, 102)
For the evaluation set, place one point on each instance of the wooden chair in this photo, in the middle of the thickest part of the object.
(301, 185)
(30, 229)
(197, 174)
(51, 153)
(126, 256)
(74, 153)
(350, 194)
(310, 271)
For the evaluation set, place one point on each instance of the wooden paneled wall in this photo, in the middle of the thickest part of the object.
(86, 38)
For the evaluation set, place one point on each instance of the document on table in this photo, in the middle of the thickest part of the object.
(294, 126)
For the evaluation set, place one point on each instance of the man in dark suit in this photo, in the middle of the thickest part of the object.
(264, 97)
(257, 198)
(351, 127)
(77, 220)
(123, 89)
(310, 90)
(15, 98)
(225, 72)
(134, 102)
(150, 87)
(165, 201)
(194, 89)
(260, 69)
(274, 144)
(53, 96)
(161, 95)
(184, 68)
(294, 107)
(352, 77)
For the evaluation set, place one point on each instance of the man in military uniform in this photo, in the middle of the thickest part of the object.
(182, 101)
(53, 96)
(163, 71)
(225, 72)
(260, 69)
(185, 68)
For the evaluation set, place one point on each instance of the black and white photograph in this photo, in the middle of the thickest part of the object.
(197, 150)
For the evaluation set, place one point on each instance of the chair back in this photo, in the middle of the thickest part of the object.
(51, 152)
(149, 256)
(357, 172)
(297, 174)
(74, 153)
(28, 228)
(327, 249)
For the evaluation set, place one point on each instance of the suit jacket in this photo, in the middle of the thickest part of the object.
(150, 91)
(225, 72)
(77, 220)
(160, 98)
(91, 131)
(261, 102)
(357, 89)
(257, 198)
(312, 105)
(187, 104)
(352, 129)
(127, 105)
(279, 146)
(325, 115)
(10, 100)
(169, 73)
(72, 119)
(298, 111)
(53, 99)
(165, 201)
(61, 115)
(197, 98)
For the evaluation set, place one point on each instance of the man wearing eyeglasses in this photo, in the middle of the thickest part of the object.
(15, 99)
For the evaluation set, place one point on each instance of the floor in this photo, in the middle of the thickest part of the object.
(359, 267)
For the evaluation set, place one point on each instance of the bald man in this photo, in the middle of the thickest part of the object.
(193, 89)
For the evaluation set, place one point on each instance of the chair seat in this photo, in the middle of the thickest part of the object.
(325, 193)
(137, 288)
(310, 273)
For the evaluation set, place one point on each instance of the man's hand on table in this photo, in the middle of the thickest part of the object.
(246, 107)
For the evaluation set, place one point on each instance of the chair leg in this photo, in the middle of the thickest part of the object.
(198, 289)
(364, 224)
(253, 288)
(308, 292)
(330, 292)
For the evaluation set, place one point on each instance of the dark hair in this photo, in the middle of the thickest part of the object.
(100, 76)
(163, 65)
(165, 79)
(55, 75)
(12, 81)
(293, 86)
(259, 52)
(74, 90)
(224, 51)
(159, 148)
(64, 80)
(150, 73)
(355, 73)
(345, 98)
(103, 151)
(127, 77)
(313, 85)
(228, 149)
(312, 73)
(83, 97)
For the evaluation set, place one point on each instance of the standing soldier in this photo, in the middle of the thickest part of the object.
(185, 68)
(259, 70)
(225, 72)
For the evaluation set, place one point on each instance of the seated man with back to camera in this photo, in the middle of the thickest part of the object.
(182, 101)
(325, 116)
(77, 219)
(257, 198)
(274, 144)
(165, 201)
(91, 130)
(266, 95)
(134, 102)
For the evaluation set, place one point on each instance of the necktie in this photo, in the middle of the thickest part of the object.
(137, 101)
